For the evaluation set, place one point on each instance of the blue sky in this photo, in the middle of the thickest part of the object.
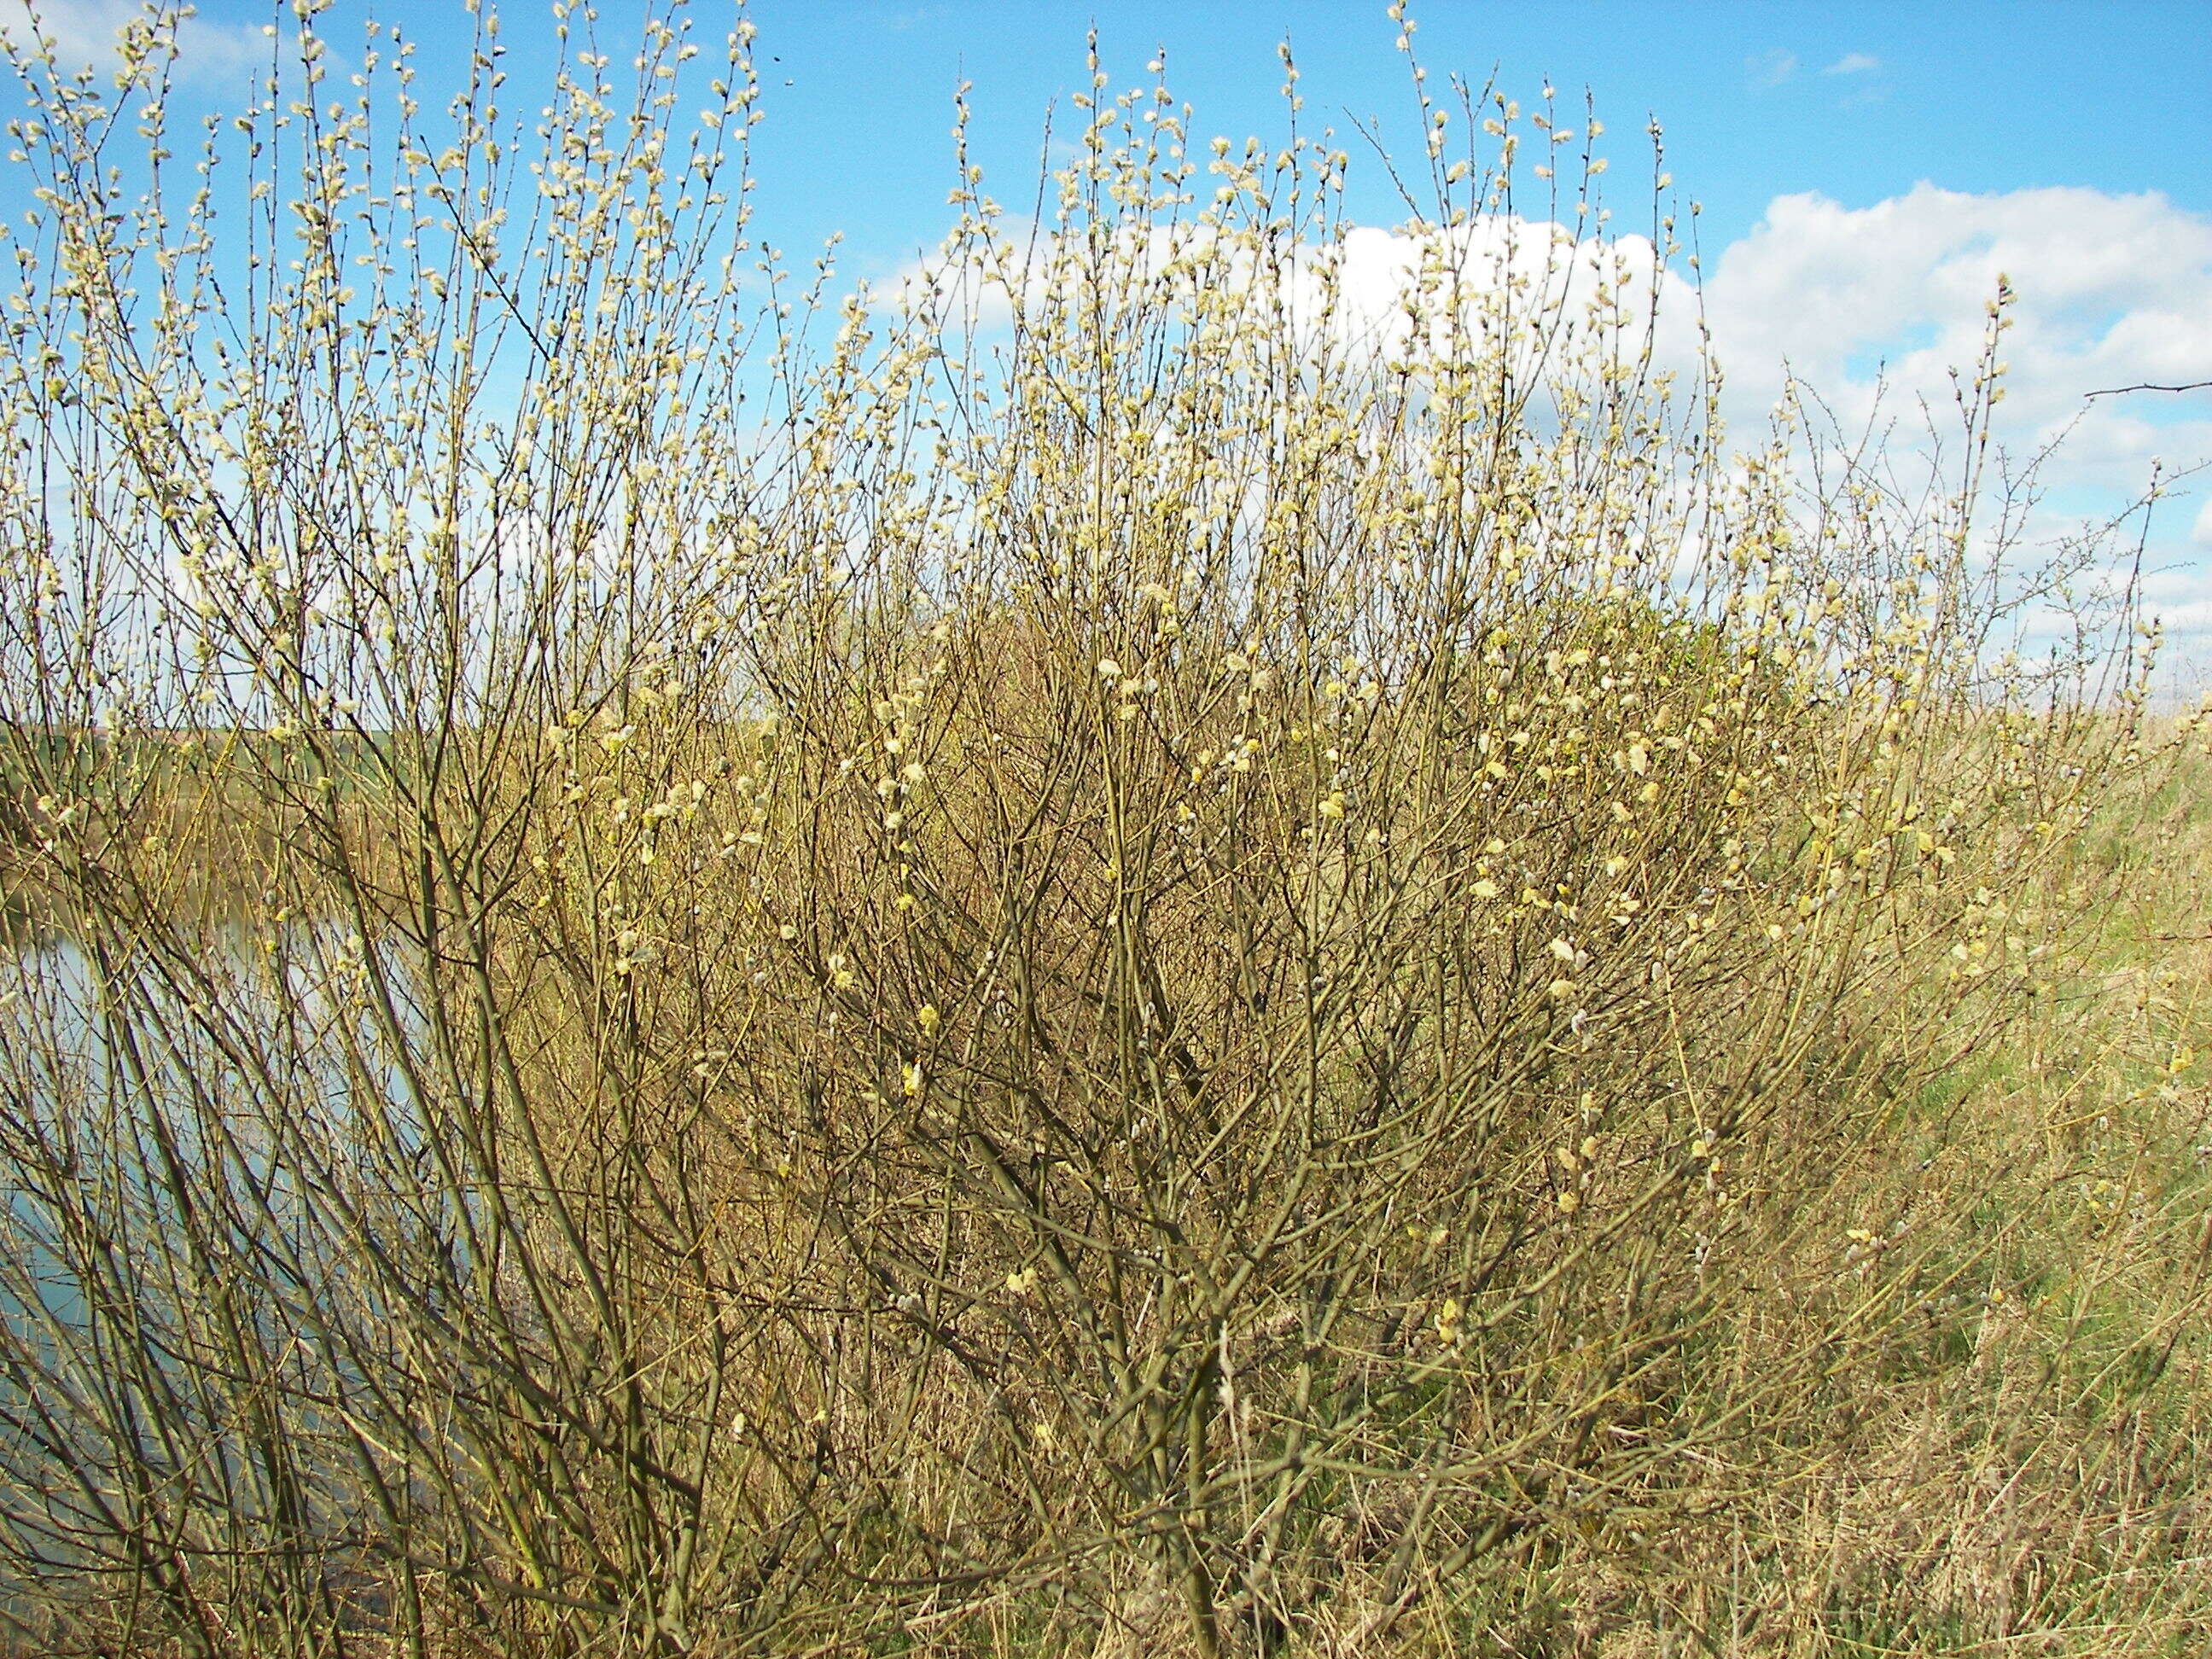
(1858, 102)
(1865, 170)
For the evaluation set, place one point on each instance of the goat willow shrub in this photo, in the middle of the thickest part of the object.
(1116, 943)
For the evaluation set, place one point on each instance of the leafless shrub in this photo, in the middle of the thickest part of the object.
(1156, 965)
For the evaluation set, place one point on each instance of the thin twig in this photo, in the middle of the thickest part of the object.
(2115, 391)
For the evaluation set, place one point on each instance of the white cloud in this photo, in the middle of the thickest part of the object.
(1872, 308)
(2110, 292)
(1347, 299)
(89, 34)
(1854, 63)
(1771, 69)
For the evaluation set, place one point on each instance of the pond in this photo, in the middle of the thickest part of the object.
(227, 1224)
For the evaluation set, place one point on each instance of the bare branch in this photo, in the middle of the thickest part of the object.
(2116, 391)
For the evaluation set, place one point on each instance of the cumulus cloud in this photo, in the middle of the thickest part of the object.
(1347, 299)
(1873, 309)
(89, 33)
(1869, 307)
(2110, 292)
(1854, 63)
(1875, 306)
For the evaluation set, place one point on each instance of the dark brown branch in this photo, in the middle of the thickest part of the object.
(2115, 391)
